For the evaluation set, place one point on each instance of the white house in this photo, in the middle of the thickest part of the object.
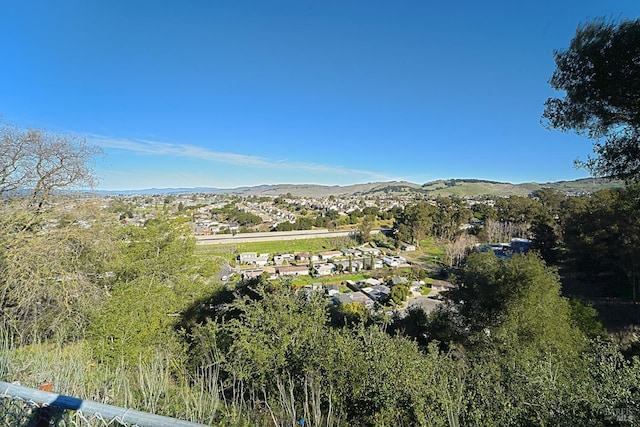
(293, 270)
(281, 259)
(393, 261)
(369, 251)
(325, 256)
(252, 258)
(324, 269)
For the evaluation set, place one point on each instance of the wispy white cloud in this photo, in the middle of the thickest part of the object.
(202, 153)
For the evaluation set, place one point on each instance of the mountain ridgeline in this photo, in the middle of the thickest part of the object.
(449, 187)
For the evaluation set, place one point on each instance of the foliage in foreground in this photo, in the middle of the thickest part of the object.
(163, 336)
(277, 361)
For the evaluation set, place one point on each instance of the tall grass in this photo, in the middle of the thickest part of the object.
(163, 386)
(6, 348)
(201, 396)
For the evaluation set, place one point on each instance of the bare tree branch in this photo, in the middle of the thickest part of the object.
(34, 164)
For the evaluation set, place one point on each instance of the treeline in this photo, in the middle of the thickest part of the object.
(596, 237)
(330, 218)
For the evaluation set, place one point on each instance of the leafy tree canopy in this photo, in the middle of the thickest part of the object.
(603, 234)
(516, 304)
(600, 75)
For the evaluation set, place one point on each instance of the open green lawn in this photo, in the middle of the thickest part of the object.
(429, 251)
(336, 279)
(277, 247)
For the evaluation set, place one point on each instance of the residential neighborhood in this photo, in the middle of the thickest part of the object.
(245, 218)
(327, 263)
(373, 293)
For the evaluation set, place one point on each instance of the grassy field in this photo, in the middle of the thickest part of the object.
(474, 189)
(334, 279)
(429, 252)
(277, 247)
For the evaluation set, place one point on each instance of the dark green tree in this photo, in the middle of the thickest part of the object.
(516, 305)
(603, 235)
(550, 199)
(399, 293)
(600, 75)
(451, 214)
(484, 210)
(364, 230)
(415, 222)
(517, 209)
(546, 236)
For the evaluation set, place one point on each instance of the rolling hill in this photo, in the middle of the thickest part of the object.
(450, 187)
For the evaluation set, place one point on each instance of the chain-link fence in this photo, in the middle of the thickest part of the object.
(18, 412)
(26, 407)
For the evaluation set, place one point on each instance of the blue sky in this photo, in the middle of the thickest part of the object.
(226, 94)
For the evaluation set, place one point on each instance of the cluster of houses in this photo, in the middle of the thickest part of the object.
(207, 227)
(325, 263)
(273, 214)
(367, 292)
(371, 291)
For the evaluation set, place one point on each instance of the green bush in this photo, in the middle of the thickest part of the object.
(399, 293)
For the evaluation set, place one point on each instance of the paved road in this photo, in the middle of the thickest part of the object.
(225, 272)
(225, 239)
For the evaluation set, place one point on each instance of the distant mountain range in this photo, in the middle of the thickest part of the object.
(457, 187)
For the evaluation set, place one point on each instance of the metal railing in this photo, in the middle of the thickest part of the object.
(24, 406)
